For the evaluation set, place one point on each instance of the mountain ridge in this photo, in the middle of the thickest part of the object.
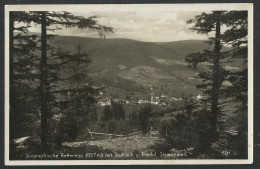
(106, 53)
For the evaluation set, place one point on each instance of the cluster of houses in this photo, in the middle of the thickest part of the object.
(161, 100)
(107, 101)
(156, 100)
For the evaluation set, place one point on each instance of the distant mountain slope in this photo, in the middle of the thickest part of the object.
(144, 63)
(109, 53)
(182, 48)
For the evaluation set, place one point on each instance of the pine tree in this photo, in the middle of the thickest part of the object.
(23, 75)
(47, 20)
(118, 111)
(237, 36)
(107, 113)
(73, 93)
(49, 62)
(215, 74)
(144, 117)
(213, 91)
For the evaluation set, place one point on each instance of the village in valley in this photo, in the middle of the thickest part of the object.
(152, 98)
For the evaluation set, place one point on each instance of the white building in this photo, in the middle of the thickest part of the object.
(104, 102)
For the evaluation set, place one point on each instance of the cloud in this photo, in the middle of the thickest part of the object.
(150, 26)
(153, 26)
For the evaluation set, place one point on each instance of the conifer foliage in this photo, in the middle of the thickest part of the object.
(46, 64)
(23, 74)
(227, 28)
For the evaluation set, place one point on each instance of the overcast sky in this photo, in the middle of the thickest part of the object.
(151, 26)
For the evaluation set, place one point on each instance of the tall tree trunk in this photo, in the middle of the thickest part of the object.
(11, 78)
(43, 82)
(215, 85)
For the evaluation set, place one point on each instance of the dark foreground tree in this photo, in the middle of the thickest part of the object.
(48, 62)
(74, 94)
(213, 78)
(237, 36)
(47, 21)
(214, 90)
(23, 66)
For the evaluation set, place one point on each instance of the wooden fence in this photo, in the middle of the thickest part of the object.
(116, 135)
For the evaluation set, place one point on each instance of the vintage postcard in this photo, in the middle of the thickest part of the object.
(129, 84)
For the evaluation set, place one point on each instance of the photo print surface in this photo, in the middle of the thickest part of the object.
(129, 84)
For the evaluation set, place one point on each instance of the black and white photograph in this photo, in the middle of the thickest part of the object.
(129, 84)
